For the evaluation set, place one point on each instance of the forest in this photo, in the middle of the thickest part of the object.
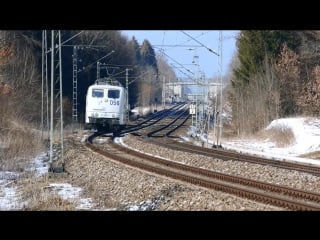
(21, 68)
(274, 73)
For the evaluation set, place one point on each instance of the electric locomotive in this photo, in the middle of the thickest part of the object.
(106, 105)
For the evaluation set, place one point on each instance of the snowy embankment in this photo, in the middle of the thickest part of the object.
(306, 133)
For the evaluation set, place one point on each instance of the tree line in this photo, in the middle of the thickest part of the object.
(275, 73)
(21, 68)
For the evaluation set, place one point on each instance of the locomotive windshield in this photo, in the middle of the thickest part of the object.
(98, 93)
(113, 93)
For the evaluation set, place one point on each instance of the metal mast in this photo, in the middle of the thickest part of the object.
(197, 78)
(44, 85)
(98, 70)
(47, 78)
(75, 86)
(127, 97)
(42, 80)
(220, 70)
(51, 101)
(164, 92)
(56, 97)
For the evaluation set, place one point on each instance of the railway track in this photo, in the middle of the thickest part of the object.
(234, 156)
(171, 126)
(280, 196)
(152, 121)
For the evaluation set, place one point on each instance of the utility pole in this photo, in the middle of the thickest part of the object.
(51, 99)
(46, 77)
(98, 70)
(75, 86)
(61, 105)
(220, 113)
(45, 92)
(196, 64)
(58, 82)
(164, 93)
(42, 79)
(208, 126)
(127, 87)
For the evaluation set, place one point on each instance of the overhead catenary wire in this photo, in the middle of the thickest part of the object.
(209, 49)
(108, 54)
(182, 44)
(71, 38)
(188, 70)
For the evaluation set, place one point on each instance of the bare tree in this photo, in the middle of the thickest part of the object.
(288, 69)
(309, 101)
(256, 103)
(21, 72)
(147, 90)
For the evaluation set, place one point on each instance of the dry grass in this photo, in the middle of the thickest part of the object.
(40, 197)
(51, 203)
(312, 155)
(281, 136)
(18, 142)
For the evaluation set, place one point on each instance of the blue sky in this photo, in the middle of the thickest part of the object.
(182, 47)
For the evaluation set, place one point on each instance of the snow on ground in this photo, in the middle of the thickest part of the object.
(140, 111)
(306, 133)
(9, 196)
(72, 194)
(39, 166)
(307, 139)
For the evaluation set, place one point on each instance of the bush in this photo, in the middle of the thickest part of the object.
(281, 136)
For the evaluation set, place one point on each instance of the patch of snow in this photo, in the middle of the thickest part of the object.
(7, 175)
(9, 199)
(39, 165)
(307, 139)
(69, 193)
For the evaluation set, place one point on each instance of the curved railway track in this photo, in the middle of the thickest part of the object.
(259, 191)
(234, 156)
(160, 121)
(170, 127)
(151, 121)
(156, 129)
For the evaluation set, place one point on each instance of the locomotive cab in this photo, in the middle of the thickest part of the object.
(106, 106)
